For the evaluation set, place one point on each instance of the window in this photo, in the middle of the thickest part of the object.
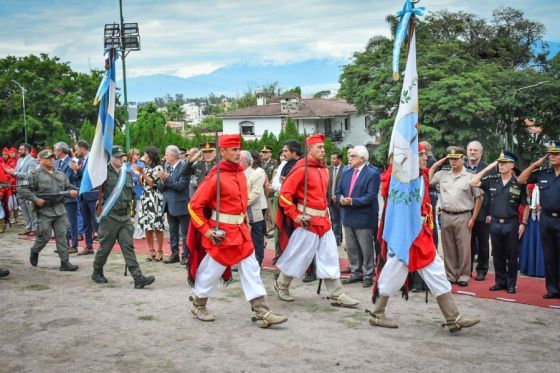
(347, 123)
(247, 128)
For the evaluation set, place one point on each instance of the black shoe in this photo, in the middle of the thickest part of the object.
(33, 258)
(309, 277)
(551, 296)
(174, 258)
(346, 270)
(351, 280)
(4, 272)
(97, 277)
(511, 290)
(80, 237)
(480, 277)
(462, 283)
(368, 282)
(66, 266)
(497, 287)
(141, 281)
(416, 290)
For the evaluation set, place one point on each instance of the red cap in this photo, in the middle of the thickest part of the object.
(33, 152)
(317, 138)
(420, 148)
(5, 151)
(230, 141)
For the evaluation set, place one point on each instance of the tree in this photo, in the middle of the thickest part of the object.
(211, 123)
(469, 70)
(295, 90)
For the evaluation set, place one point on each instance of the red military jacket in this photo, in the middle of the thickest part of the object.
(292, 193)
(237, 244)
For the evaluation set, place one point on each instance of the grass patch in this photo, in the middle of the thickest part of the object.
(36, 287)
(310, 307)
(146, 317)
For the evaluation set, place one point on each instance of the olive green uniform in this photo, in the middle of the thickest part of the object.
(117, 225)
(269, 167)
(52, 216)
(201, 169)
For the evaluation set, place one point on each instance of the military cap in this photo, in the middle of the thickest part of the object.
(266, 149)
(45, 154)
(207, 146)
(506, 156)
(117, 152)
(455, 152)
(555, 147)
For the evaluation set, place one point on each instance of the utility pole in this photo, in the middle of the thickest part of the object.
(24, 119)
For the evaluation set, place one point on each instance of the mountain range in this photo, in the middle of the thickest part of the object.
(312, 76)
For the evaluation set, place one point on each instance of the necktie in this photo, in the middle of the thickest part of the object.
(333, 186)
(353, 182)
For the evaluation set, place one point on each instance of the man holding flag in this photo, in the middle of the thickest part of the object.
(408, 224)
(116, 195)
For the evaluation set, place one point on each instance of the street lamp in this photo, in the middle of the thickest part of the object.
(24, 120)
(125, 37)
(512, 111)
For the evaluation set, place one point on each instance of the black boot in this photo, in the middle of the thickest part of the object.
(33, 258)
(141, 281)
(66, 266)
(4, 272)
(98, 277)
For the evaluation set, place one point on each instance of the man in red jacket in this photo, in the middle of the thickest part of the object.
(313, 237)
(236, 246)
(425, 260)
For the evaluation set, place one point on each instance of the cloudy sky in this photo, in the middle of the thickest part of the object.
(190, 37)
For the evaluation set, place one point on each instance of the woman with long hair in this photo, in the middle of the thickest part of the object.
(151, 216)
(135, 165)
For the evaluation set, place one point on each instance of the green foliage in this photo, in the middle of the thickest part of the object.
(470, 71)
(211, 123)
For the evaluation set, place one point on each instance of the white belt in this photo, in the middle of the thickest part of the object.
(228, 218)
(311, 211)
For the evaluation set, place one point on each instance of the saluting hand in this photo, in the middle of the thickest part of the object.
(540, 161)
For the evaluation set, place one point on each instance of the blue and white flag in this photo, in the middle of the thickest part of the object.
(405, 16)
(95, 171)
(403, 219)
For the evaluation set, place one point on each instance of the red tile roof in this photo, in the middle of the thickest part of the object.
(308, 108)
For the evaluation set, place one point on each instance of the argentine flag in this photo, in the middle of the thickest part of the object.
(403, 219)
(95, 172)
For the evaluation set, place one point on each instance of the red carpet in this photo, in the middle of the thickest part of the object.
(529, 289)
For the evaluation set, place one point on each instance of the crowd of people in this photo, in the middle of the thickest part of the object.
(311, 210)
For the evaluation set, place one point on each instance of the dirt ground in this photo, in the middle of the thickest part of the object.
(52, 321)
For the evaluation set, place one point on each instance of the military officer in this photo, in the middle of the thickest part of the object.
(117, 224)
(548, 181)
(269, 165)
(198, 168)
(50, 212)
(505, 195)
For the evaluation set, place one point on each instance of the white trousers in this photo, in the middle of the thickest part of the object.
(210, 271)
(393, 276)
(302, 247)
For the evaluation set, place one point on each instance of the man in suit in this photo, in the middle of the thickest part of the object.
(87, 200)
(25, 164)
(174, 185)
(335, 172)
(357, 195)
(63, 161)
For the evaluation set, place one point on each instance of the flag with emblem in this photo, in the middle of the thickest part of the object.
(95, 169)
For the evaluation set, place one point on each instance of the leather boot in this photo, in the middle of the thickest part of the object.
(141, 281)
(33, 258)
(455, 321)
(4, 272)
(377, 316)
(282, 287)
(264, 317)
(66, 266)
(98, 277)
(337, 295)
(199, 309)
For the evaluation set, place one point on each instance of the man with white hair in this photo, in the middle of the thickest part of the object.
(64, 163)
(481, 230)
(357, 195)
(255, 182)
(174, 185)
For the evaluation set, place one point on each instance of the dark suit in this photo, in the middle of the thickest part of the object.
(88, 203)
(71, 204)
(334, 208)
(360, 218)
(175, 190)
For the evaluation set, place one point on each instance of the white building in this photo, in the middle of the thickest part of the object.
(193, 113)
(336, 118)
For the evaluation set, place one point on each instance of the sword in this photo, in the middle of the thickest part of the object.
(305, 219)
(217, 233)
